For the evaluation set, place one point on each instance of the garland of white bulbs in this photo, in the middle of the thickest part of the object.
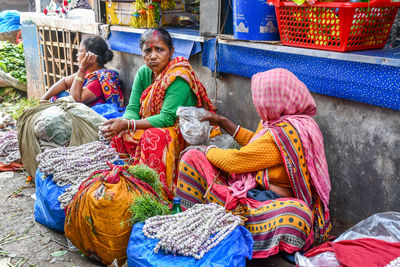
(189, 233)
(9, 149)
(394, 263)
(72, 165)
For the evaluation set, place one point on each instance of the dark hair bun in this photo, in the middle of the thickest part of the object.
(108, 56)
(99, 47)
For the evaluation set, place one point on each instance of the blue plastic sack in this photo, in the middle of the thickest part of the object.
(47, 206)
(232, 251)
(9, 20)
(109, 111)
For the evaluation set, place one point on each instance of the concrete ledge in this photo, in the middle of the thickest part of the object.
(387, 57)
(79, 20)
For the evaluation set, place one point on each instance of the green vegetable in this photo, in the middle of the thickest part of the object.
(3, 66)
(14, 103)
(145, 207)
(12, 60)
(147, 175)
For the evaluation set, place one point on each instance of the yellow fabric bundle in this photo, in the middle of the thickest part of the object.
(97, 218)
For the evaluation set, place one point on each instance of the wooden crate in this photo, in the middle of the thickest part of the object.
(58, 53)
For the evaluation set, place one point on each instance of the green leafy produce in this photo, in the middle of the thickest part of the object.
(145, 207)
(147, 175)
(14, 103)
(12, 60)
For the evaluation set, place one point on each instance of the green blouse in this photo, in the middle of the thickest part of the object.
(177, 94)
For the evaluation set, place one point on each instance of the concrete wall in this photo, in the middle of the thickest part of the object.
(362, 142)
(20, 5)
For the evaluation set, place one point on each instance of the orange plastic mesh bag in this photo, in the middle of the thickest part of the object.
(97, 218)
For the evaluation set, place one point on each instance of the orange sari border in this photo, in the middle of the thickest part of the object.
(152, 98)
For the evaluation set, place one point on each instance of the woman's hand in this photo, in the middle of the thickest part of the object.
(219, 120)
(113, 127)
(213, 118)
(87, 61)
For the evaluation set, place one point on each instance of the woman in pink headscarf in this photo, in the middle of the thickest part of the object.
(279, 178)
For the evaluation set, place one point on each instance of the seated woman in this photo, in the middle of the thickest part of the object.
(92, 83)
(278, 179)
(150, 132)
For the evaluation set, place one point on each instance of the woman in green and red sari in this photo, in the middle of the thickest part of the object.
(278, 179)
(148, 133)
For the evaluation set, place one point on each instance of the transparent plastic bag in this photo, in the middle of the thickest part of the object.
(224, 141)
(321, 260)
(193, 130)
(384, 226)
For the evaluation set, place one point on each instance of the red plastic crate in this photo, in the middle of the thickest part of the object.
(335, 26)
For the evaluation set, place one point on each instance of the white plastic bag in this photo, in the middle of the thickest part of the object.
(224, 141)
(193, 130)
(384, 226)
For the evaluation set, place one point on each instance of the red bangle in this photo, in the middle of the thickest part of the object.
(84, 72)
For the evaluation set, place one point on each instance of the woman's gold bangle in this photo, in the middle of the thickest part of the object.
(79, 79)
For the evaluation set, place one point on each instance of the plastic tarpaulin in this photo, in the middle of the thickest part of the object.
(129, 42)
(230, 252)
(373, 84)
(9, 20)
(109, 111)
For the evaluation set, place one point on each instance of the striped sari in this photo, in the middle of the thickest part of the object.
(283, 224)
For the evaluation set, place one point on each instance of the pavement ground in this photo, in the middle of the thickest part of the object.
(25, 242)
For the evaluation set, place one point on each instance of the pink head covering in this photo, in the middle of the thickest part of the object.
(278, 95)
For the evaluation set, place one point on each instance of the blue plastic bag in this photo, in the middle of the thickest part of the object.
(232, 251)
(9, 21)
(47, 206)
(109, 111)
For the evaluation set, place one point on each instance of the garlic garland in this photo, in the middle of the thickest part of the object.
(193, 232)
(72, 165)
(9, 149)
(394, 263)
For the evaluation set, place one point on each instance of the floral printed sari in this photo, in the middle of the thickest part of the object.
(159, 148)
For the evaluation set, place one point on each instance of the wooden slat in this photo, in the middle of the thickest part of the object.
(65, 53)
(65, 61)
(53, 65)
(57, 53)
(70, 50)
(61, 44)
(46, 67)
